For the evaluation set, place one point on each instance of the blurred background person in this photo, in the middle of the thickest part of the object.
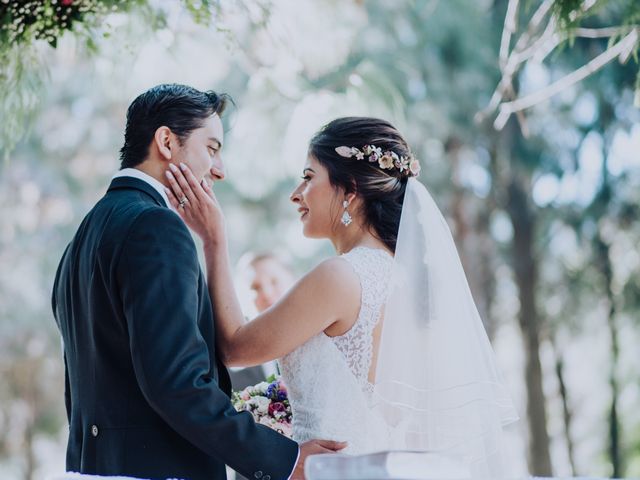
(267, 276)
(271, 278)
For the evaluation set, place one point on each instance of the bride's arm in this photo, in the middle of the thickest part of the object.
(312, 305)
(328, 294)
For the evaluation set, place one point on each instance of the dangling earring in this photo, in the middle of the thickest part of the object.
(346, 218)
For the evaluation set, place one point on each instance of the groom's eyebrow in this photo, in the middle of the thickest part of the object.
(214, 139)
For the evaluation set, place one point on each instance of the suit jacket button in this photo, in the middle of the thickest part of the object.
(94, 430)
(258, 474)
(266, 477)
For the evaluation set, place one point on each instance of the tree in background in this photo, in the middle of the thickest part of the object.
(442, 68)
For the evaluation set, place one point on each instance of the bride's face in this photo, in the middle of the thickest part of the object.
(317, 201)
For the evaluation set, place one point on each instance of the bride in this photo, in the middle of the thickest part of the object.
(380, 346)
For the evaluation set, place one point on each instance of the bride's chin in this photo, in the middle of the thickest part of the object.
(309, 233)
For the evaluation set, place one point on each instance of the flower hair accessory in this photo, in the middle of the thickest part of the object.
(387, 160)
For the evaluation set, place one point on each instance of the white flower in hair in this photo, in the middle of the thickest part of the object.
(344, 151)
(386, 161)
(357, 153)
(350, 152)
(395, 158)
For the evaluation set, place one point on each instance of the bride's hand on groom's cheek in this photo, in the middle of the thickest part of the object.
(195, 202)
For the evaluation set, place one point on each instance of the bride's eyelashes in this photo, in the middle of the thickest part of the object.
(306, 178)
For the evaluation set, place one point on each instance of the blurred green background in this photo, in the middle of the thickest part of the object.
(544, 210)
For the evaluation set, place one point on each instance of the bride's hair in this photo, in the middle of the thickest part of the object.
(382, 190)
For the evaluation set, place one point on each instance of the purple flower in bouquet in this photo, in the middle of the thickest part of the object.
(272, 390)
(277, 391)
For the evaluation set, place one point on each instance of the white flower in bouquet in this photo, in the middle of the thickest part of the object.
(261, 404)
(261, 387)
(268, 404)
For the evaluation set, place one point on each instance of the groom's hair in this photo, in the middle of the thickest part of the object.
(179, 107)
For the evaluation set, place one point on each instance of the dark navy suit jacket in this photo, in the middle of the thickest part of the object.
(146, 394)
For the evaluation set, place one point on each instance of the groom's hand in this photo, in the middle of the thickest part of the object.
(314, 447)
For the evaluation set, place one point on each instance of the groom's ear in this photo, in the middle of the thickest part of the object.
(163, 138)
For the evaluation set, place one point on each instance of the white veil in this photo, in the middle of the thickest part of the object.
(437, 386)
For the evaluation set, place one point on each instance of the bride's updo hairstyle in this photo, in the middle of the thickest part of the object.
(377, 181)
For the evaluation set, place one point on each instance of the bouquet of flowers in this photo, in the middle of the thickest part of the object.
(268, 403)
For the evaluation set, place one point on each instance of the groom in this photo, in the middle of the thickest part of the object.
(146, 394)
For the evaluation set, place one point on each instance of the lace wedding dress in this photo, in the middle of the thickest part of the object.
(327, 377)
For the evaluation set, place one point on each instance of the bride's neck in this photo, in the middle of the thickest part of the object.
(354, 236)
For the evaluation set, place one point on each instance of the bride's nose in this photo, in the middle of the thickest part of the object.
(295, 195)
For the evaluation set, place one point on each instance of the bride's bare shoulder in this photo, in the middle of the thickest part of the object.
(335, 269)
(335, 277)
(340, 288)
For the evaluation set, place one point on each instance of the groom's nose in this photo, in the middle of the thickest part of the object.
(217, 172)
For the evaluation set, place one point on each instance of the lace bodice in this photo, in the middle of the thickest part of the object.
(327, 377)
(372, 267)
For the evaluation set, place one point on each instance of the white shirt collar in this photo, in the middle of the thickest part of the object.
(139, 174)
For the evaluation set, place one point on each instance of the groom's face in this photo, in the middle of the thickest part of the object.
(201, 151)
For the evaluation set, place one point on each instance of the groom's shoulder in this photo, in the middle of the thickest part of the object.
(124, 212)
(156, 228)
(154, 218)
(133, 210)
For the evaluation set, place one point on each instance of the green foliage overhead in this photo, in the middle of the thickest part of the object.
(26, 27)
(25, 22)
(568, 12)
(571, 14)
